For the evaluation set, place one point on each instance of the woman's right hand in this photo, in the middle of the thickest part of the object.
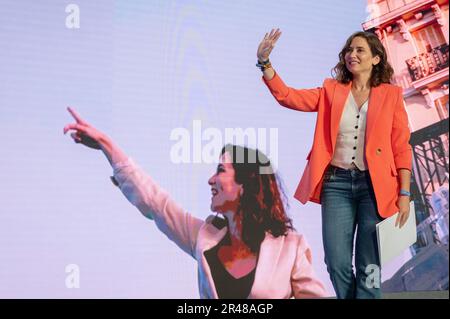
(84, 133)
(267, 44)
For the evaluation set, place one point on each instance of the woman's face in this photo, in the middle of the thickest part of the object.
(359, 58)
(225, 192)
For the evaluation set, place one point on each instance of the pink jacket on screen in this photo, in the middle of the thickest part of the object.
(284, 268)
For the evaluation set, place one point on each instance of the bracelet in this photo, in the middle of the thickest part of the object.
(114, 181)
(404, 193)
(264, 65)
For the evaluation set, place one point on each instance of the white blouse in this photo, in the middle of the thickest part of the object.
(350, 140)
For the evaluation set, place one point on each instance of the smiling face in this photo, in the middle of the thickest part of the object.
(225, 192)
(359, 58)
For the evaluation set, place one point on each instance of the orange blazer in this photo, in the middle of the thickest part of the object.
(387, 145)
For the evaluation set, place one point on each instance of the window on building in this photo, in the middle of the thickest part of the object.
(432, 52)
(378, 7)
(428, 38)
(395, 4)
(385, 6)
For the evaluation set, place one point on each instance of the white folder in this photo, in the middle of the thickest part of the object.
(393, 240)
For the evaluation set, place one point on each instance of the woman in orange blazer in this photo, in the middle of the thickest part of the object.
(359, 167)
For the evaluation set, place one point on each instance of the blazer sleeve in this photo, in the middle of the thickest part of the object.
(155, 203)
(400, 135)
(304, 282)
(305, 100)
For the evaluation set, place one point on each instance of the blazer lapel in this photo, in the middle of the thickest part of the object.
(376, 100)
(269, 253)
(339, 98)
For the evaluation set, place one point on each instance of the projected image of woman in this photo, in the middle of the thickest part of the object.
(253, 252)
(359, 167)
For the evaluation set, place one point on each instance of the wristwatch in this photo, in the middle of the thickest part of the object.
(264, 65)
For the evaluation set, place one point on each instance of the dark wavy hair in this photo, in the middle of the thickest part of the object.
(381, 73)
(263, 200)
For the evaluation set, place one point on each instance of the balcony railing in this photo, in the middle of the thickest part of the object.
(428, 63)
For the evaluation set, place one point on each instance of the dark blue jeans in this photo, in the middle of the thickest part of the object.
(348, 203)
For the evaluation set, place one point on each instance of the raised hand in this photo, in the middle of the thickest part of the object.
(84, 133)
(267, 44)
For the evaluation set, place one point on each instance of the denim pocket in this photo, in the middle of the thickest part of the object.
(328, 175)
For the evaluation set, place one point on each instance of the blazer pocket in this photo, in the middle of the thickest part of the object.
(394, 170)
